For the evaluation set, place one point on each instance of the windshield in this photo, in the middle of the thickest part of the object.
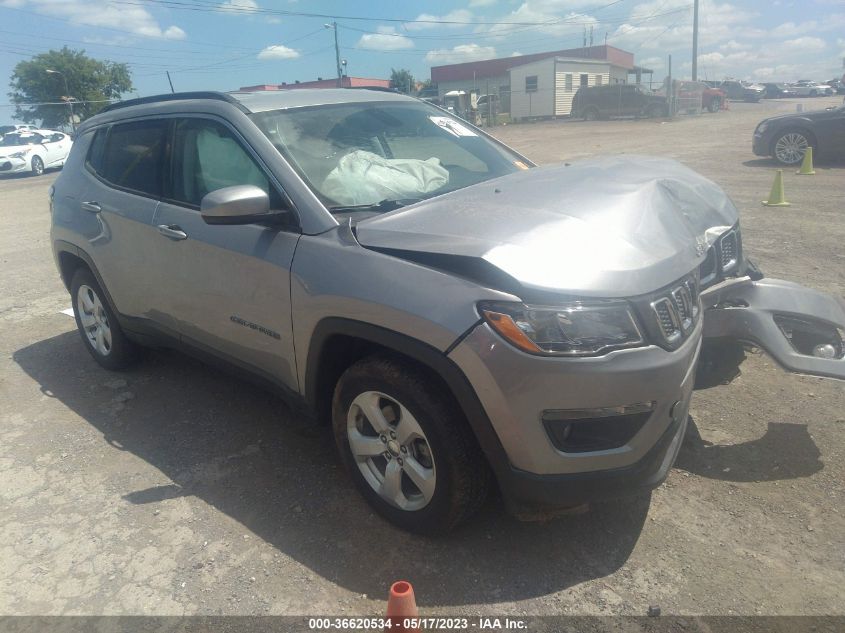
(20, 139)
(385, 154)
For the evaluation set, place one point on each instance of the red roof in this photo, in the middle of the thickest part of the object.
(500, 66)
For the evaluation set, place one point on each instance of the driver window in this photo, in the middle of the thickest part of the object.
(207, 157)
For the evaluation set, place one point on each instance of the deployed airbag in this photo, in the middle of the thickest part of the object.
(362, 178)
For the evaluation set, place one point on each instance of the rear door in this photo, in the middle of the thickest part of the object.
(121, 192)
(227, 287)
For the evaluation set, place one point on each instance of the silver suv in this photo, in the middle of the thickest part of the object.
(462, 318)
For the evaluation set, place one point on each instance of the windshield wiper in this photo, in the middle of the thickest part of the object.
(382, 207)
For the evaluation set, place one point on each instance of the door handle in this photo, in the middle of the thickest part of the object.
(93, 207)
(172, 231)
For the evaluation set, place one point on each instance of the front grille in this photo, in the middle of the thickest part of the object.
(728, 250)
(675, 311)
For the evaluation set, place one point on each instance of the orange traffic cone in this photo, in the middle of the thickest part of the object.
(401, 607)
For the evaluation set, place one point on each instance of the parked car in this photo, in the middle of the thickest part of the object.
(713, 99)
(787, 137)
(33, 151)
(806, 88)
(778, 91)
(601, 102)
(742, 90)
(461, 318)
(837, 85)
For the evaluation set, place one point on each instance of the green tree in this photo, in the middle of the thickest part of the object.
(90, 83)
(402, 80)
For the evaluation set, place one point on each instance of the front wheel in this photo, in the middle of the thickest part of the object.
(37, 166)
(714, 105)
(790, 146)
(591, 114)
(407, 446)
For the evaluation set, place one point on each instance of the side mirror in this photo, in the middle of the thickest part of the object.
(241, 204)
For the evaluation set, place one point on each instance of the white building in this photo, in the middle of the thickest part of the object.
(545, 88)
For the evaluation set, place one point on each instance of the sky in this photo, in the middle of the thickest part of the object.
(225, 44)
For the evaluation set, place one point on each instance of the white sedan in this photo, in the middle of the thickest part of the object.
(812, 89)
(33, 151)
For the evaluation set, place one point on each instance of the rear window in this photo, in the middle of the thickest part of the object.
(133, 156)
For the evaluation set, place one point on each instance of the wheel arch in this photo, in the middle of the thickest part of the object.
(337, 343)
(69, 259)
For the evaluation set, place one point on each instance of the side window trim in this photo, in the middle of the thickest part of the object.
(167, 184)
(88, 165)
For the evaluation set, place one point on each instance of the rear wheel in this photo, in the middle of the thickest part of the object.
(37, 166)
(790, 146)
(591, 114)
(407, 446)
(97, 324)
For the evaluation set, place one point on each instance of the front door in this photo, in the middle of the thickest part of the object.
(228, 287)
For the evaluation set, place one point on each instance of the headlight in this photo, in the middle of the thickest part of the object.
(761, 128)
(574, 329)
(20, 154)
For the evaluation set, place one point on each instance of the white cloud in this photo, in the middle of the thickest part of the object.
(387, 39)
(805, 44)
(278, 51)
(790, 29)
(481, 3)
(238, 6)
(733, 45)
(459, 54)
(101, 13)
(427, 19)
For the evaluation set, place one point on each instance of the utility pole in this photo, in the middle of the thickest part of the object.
(695, 41)
(333, 26)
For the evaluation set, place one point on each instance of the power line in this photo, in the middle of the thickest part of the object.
(198, 5)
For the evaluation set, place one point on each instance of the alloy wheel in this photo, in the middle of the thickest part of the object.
(94, 320)
(37, 166)
(391, 450)
(791, 147)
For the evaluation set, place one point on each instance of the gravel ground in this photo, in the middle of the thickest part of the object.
(174, 489)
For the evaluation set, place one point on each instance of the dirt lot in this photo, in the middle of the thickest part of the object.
(175, 489)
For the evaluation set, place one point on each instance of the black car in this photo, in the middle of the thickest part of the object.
(602, 102)
(778, 91)
(786, 138)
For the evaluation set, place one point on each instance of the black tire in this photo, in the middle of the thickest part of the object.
(121, 352)
(37, 166)
(713, 106)
(461, 474)
(591, 114)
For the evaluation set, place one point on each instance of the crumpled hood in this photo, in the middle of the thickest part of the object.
(610, 227)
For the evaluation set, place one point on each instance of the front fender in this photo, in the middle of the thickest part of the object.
(797, 326)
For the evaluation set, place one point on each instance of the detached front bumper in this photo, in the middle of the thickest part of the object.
(802, 329)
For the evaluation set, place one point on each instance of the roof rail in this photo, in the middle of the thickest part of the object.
(176, 96)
